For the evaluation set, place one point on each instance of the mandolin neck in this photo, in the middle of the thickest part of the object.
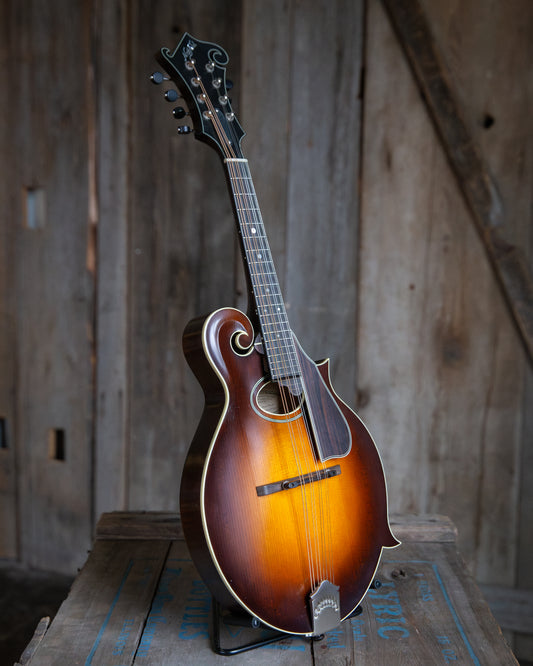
(277, 336)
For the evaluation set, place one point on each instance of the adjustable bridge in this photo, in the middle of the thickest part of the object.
(295, 481)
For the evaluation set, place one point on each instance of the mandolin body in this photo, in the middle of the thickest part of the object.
(261, 546)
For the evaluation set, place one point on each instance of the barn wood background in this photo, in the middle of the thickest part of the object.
(115, 232)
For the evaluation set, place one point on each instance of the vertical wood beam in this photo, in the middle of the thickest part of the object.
(112, 76)
(53, 283)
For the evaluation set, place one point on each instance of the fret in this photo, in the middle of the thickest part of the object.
(278, 328)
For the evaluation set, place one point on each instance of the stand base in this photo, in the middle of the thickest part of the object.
(243, 620)
(246, 620)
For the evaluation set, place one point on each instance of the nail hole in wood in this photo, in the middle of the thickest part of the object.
(56, 444)
(3, 433)
(34, 208)
(488, 121)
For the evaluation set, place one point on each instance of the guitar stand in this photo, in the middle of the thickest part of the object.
(247, 621)
(238, 620)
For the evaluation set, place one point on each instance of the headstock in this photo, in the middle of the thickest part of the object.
(198, 70)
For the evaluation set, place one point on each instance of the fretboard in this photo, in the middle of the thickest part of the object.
(277, 336)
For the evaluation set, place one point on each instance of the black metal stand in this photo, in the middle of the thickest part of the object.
(239, 620)
(247, 621)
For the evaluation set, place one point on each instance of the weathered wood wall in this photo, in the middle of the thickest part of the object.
(379, 260)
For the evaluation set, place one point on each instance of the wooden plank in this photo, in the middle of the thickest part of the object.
(103, 618)
(53, 283)
(9, 205)
(178, 626)
(512, 608)
(523, 643)
(427, 610)
(181, 249)
(110, 163)
(36, 640)
(423, 528)
(465, 158)
(307, 163)
(439, 360)
(323, 196)
(145, 525)
(265, 109)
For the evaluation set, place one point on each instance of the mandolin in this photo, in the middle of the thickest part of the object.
(283, 496)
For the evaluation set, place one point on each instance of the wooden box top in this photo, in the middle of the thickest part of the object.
(138, 600)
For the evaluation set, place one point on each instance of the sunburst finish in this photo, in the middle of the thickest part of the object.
(267, 553)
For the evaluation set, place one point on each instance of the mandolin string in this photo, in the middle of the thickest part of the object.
(318, 546)
(259, 244)
(309, 492)
(314, 548)
(230, 153)
(234, 179)
(255, 245)
(320, 550)
(290, 370)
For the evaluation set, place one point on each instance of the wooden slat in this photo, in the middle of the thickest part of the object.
(323, 194)
(178, 626)
(53, 282)
(423, 528)
(512, 608)
(36, 640)
(304, 159)
(464, 155)
(264, 110)
(148, 525)
(106, 611)
(9, 207)
(524, 643)
(427, 610)
(110, 162)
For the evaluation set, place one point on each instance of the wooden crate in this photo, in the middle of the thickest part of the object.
(139, 600)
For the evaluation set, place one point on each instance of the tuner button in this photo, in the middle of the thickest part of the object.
(171, 95)
(157, 78)
(184, 129)
(179, 112)
(229, 84)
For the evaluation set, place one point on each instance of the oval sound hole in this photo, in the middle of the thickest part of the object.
(276, 399)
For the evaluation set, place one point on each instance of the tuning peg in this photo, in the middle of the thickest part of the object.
(229, 84)
(171, 95)
(184, 129)
(158, 78)
(179, 112)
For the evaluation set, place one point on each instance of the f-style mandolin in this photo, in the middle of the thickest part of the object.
(283, 496)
